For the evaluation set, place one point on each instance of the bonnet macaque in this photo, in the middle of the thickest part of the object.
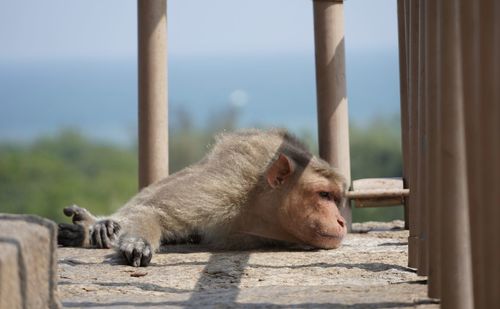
(254, 188)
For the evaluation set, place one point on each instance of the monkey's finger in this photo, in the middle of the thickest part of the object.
(113, 228)
(110, 228)
(146, 256)
(128, 256)
(96, 237)
(79, 214)
(70, 210)
(136, 257)
(106, 242)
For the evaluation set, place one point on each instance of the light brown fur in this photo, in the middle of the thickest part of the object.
(253, 188)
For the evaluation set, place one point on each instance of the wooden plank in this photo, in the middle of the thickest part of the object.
(377, 184)
(377, 192)
(367, 194)
(379, 202)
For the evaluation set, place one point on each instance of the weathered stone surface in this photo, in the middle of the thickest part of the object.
(28, 274)
(368, 271)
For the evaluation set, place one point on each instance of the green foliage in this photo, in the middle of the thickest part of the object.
(375, 153)
(376, 149)
(189, 143)
(52, 172)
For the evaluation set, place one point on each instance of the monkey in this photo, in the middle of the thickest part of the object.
(254, 188)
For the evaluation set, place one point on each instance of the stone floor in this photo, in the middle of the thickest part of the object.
(368, 271)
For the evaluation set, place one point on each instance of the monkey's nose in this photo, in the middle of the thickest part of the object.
(341, 222)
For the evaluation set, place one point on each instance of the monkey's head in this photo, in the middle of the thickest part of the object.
(300, 203)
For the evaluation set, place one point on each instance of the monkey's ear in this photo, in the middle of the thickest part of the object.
(279, 171)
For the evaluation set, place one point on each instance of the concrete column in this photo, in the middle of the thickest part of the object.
(333, 118)
(28, 262)
(456, 284)
(153, 119)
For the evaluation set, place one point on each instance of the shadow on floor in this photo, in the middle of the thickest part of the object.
(373, 267)
(225, 304)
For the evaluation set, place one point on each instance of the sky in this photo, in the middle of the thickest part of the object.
(104, 29)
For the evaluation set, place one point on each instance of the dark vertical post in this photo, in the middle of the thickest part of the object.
(432, 191)
(422, 147)
(481, 46)
(470, 46)
(490, 164)
(414, 11)
(456, 284)
(403, 86)
(153, 120)
(333, 121)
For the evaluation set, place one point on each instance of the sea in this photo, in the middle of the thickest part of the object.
(99, 97)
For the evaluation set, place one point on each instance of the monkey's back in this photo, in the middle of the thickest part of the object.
(206, 197)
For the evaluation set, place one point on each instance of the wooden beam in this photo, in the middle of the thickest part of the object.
(333, 122)
(376, 192)
(153, 119)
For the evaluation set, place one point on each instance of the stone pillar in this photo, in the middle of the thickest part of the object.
(28, 262)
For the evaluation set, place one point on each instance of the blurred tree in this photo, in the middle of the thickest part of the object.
(53, 172)
(376, 152)
(43, 176)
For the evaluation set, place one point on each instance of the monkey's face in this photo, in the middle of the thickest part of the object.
(310, 210)
(304, 201)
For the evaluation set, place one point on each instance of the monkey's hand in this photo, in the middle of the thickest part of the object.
(104, 233)
(76, 234)
(80, 215)
(136, 250)
(72, 235)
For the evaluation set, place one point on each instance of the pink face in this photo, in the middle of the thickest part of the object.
(311, 214)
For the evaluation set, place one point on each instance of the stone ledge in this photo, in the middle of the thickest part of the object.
(28, 274)
(368, 271)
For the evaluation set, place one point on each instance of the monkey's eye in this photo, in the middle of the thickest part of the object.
(329, 196)
(325, 195)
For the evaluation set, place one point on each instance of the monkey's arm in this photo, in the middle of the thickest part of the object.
(141, 234)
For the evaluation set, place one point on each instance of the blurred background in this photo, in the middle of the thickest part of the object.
(68, 92)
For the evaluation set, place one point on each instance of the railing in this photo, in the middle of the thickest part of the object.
(450, 79)
(450, 108)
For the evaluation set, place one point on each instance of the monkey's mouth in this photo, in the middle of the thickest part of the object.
(328, 235)
(328, 241)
